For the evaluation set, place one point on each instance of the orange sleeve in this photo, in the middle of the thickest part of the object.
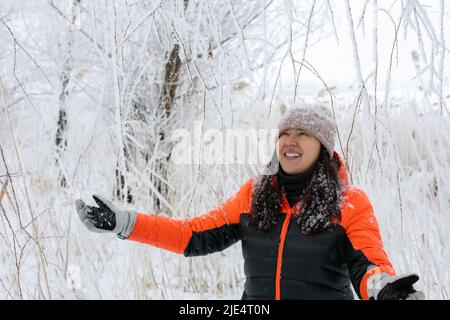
(175, 234)
(368, 256)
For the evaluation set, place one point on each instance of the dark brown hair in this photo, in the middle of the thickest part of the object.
(320, 200)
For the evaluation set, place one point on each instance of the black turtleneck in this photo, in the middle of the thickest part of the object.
(292, 184)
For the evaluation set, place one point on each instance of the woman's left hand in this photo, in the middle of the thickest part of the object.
(401, 288)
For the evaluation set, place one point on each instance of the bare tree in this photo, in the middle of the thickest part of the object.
(172, 73)
(61, 137)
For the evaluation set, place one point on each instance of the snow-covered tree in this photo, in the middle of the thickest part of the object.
(101, 86)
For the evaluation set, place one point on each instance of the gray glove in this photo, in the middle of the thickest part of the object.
(106, 217)
(382, 286)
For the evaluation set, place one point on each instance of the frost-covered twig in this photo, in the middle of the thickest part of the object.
(40, 251)
(4, 185)
(333, 21)
(151, 14)
(441, 61)
(16, 42)
(305, 47)
(245, 24)
(356, 58)
(375, 10)
(81, 30)
(240, 32)
(361, 16)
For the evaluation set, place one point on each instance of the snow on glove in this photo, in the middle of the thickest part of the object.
(106, 217)
(382, 286)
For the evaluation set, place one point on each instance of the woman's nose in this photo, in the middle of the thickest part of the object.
(290, 141)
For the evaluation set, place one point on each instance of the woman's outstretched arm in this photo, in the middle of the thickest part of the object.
(208, 233)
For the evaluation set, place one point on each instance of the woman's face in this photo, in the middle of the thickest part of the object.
(297, 151)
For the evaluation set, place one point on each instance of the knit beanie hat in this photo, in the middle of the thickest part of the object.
(316, 120)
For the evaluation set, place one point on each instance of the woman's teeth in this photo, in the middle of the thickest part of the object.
(292, 155)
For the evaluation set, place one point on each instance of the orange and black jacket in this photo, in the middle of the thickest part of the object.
(282, 263)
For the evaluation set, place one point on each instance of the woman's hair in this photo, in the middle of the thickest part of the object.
(319, 207)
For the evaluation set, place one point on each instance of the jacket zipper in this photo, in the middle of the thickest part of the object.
(280, 254)
(283, 235)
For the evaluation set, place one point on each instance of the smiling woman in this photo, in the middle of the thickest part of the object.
(306, 233)
(298, 151)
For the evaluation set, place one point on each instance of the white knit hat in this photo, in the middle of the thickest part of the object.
(316, 120)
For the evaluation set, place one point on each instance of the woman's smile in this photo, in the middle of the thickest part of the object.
(299, 150)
